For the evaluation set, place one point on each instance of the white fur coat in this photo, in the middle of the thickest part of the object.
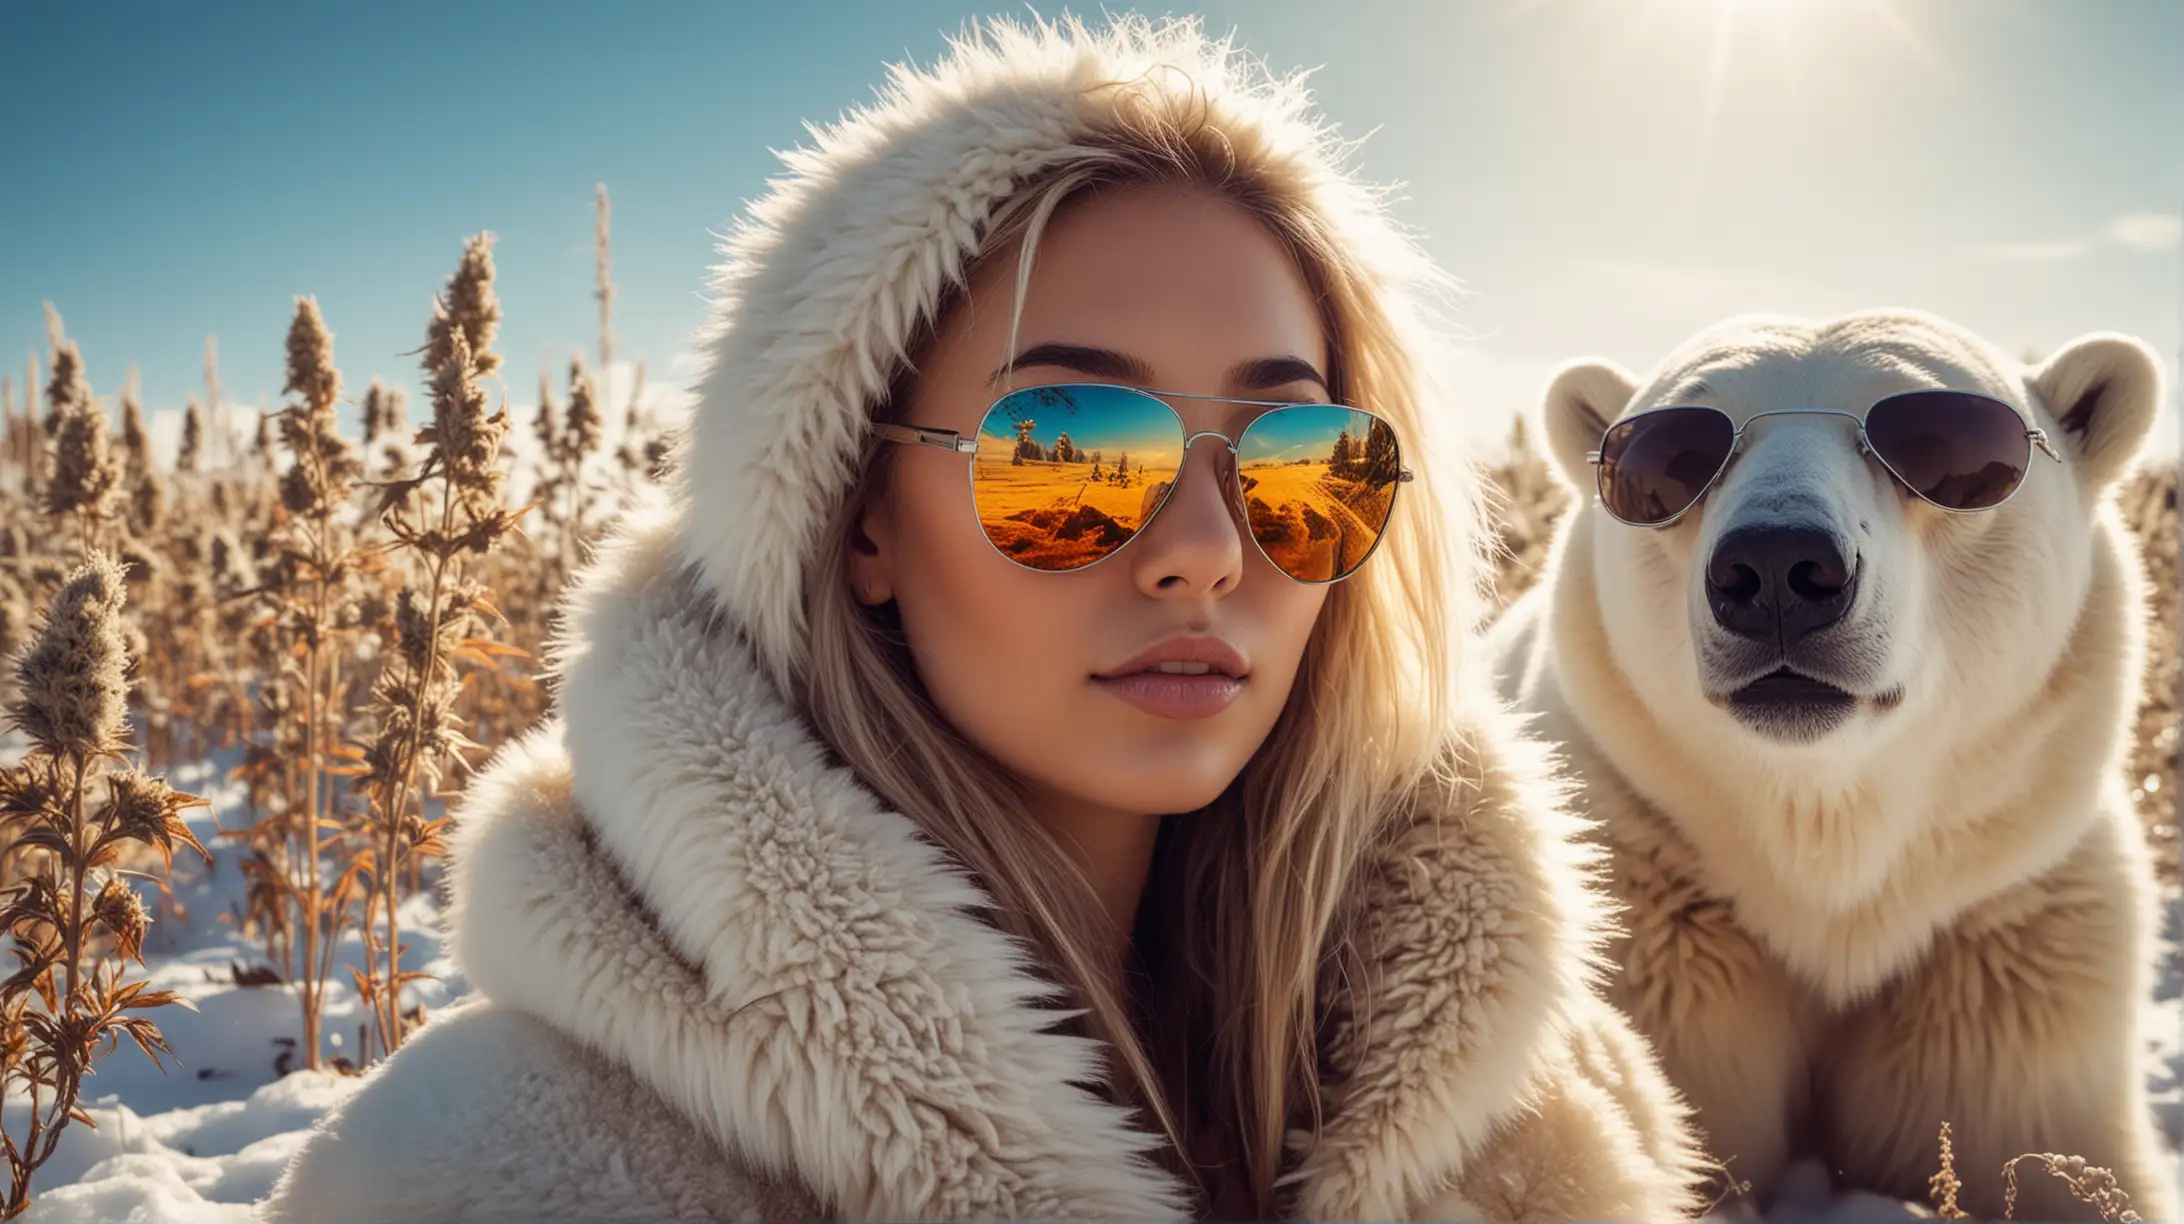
(720, 979)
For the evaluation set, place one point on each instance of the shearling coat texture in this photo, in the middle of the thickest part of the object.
(719, 979)
(1943, 914)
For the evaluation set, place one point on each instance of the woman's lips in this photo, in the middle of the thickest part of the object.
(1169, 695)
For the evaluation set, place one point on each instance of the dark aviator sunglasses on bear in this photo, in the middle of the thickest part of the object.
(1958, 450)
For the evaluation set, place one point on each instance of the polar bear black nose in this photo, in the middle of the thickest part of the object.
(1778, 582)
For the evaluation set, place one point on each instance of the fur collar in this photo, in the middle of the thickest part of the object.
(673, 873)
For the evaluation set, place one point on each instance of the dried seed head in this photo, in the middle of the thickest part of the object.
(118, 908)
(73, 680)
(311, 372)
(585, 423)
(67, 388)
(393, 415)
(324, 469)
(382, 412)
(85, 470)
(1943, 1186)
(147, 810)
(468, 441)
(468, 307)
(135, 442)
(193, 437)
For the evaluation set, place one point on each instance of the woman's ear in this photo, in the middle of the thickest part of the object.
(1582, 399)
(872, 553)
(2104, 391)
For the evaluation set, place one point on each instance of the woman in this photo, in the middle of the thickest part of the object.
(930, 829)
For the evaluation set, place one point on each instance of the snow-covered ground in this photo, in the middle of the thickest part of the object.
(197, 1144)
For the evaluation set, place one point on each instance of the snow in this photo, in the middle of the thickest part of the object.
(201, 1140)
(197, 1144)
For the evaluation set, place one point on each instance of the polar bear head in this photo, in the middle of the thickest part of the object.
(1810, 603)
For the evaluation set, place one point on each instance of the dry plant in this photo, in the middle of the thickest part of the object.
(646, 450)
(643, 455)
(73, 682)
(85, 475)
(191, 452)
(384, 411)
(2148, 502)
(561, 491)
(325, 645)
(1943, 1186)
(320, 563)
(146, 492)
(1525, 502)
(417, 690)
(2088, 1183)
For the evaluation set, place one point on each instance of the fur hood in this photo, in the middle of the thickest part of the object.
(828, 275)
(720, 977)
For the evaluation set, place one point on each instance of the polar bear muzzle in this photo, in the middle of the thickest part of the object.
(1779, 581)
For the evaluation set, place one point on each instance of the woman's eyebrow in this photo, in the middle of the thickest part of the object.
(1261, 373)
(1257, 374)
(1084, 359)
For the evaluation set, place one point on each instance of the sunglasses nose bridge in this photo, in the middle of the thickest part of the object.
(1737, 441)
(1223, 473)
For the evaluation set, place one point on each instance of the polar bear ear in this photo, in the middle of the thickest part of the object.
(2104, 391)
(1582, 399)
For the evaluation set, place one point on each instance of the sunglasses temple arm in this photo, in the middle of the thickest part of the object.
(945, 439)
(2040, 439)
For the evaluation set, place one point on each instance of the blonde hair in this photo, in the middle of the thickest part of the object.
(1245, 902)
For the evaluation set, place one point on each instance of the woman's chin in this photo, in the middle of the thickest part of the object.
(1156, 780)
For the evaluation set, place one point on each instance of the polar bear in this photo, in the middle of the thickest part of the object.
(1856, 757)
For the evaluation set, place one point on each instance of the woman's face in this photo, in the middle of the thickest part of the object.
(1158, 288)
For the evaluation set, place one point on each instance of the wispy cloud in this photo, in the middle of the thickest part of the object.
(2147, 231)
(2141, 231)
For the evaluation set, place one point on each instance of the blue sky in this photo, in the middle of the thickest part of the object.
(1605, 176)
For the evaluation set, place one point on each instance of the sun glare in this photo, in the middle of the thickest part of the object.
(1731, 20)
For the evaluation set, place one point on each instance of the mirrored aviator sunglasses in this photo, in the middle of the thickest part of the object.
(1063, 476)
(1957, 450)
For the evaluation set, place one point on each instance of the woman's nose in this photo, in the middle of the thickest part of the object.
(1193, 541)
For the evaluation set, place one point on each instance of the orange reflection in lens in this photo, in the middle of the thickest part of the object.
(1065, 513)
(1318, 514)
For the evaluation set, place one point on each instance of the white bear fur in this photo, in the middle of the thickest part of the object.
(1943, 910)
